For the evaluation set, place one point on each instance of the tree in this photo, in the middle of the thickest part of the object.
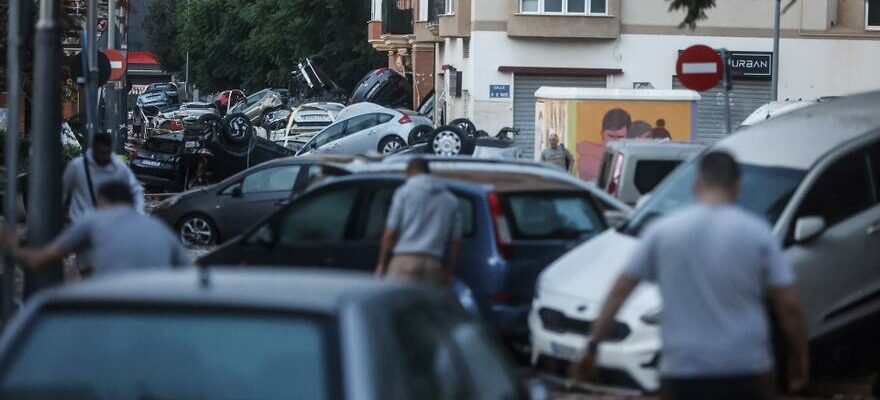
(163, 35)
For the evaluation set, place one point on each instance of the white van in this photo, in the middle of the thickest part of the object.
(814, 174)
(632, 168)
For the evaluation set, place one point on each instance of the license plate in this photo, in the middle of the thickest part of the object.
(152, 163)
(563, 352)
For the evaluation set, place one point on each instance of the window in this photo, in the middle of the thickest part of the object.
(383, 118)
(649, 173)
(380, 204)
(872, 14)
(450, 7)
(237, 356)
(842, 191)
(321, 217)
(576, 7)
(360, 123)
(329, 134)
(552, 216)
(271, 180)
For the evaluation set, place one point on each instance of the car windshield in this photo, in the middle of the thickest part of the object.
(164, 354)
(765, 191)
(536, 216)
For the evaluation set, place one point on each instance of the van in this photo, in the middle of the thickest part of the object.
(632, 168)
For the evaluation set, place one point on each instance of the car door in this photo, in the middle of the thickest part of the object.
(360, 135)
(327, 141)
(372, 212)
(837, 272)
(255, 196)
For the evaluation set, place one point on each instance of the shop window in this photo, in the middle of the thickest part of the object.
(872, 14)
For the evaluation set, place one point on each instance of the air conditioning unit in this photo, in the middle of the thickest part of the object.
(818, 15)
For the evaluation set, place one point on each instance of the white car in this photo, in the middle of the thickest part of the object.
(812, 174)
(367, 128)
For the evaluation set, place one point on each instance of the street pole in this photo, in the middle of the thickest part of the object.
(91, 54)
(110, 99)
(13, 90)
(44, 176)
(774, 85)
(725, 81)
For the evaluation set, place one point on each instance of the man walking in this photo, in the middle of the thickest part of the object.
(120, 238)
(715, 264)
(423, 223)
(81, 179)
(556, 154)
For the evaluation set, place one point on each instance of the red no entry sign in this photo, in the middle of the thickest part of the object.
(117, 63)
(699, 67)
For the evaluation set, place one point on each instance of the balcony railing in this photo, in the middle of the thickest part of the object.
(397, 17)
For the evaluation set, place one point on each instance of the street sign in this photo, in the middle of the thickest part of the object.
(499, 91)
(750, 64)
(117, 63)
(76, 68)
(699, 67)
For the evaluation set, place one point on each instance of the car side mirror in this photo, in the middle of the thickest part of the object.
(236, 191)
(616, 218)
(807, 228)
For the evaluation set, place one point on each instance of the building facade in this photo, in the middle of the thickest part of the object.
(490, 56)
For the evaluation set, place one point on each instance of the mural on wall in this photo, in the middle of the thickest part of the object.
(587, 126)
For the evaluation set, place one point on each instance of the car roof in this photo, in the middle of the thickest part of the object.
(360, 109)
(309, 290)
(801, 138)
(651, 145)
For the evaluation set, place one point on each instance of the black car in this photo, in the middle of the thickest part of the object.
(251, 334)
(211, 214)
(385, 87)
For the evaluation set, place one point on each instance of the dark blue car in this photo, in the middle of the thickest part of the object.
(515, 224)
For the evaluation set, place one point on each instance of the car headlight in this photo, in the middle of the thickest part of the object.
(652, 317)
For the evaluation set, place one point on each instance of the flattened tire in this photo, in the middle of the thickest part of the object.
(465, 125)
(391, 144)
(447, 141)
(419, 134)
(239, 129)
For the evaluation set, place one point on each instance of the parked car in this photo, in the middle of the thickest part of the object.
(383, 86)
(211, 214)
(632, 168)
(774, 109)
(810, 173)
(258, 105)
(154, 98)
(251, 334)
(170, 88)
(310, 118)
(366, 128)
(517, 219)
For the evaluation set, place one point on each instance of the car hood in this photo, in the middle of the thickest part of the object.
(588, 271)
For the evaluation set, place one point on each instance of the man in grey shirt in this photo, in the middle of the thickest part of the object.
(556, 154)
(120, 237)
(422, 223)
(715, 265)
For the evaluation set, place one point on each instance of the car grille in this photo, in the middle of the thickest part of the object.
(556, 321)
(605, 376)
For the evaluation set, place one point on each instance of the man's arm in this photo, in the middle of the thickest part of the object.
(787, 306)
(623, 287)
(389, 239)
(40, 257)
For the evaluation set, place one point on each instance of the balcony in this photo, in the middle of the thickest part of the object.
(458, 23)
(428, 31)
(397, 17)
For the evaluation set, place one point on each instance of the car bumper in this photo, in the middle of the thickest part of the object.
(510, 321)
(163, 175)
(632, 361)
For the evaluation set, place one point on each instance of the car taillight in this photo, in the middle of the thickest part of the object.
(616, 170)
(405, 119)
(175, 125)
(380, 71)
(503, 238)
(502, 298)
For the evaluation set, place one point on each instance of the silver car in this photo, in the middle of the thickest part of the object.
(367, 128)
(257, 105)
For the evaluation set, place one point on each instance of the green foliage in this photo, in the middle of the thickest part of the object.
(255, 44)
(163, 35)
(696, 10)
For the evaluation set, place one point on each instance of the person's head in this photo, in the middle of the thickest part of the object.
(660, 132)
(719, 178)
(417, 166)
(553, 140)
(639, 129)
(615, 125)
(115, 193)
(102, 148)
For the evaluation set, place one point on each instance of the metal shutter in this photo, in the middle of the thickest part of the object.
(524, 88)
(746, 96)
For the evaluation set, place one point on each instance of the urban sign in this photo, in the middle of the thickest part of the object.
(755, 64)
(499, 91)
(699, 67)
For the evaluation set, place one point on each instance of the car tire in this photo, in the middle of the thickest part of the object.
(465, 125)
(391, 144)
(239, 129)
(197, 230)
(419, 134)
(447, 141)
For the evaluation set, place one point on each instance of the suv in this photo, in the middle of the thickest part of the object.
(517, 220)
(814, 175)
(632, 168)
(385, 87)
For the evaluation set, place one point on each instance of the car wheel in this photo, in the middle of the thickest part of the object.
(447, 141)
(419, 134)
(391, 144)
(197, 230)
(465, 125)
(238, 128)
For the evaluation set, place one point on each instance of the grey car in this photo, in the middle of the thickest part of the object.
(367, 128)
(214, 213)
(250, 333)
(259, 104)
